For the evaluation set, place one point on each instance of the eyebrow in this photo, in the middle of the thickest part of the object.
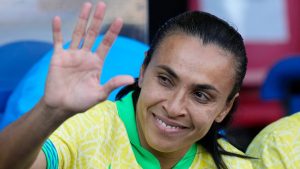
(206, 87)
(169, 70)
(196, 86)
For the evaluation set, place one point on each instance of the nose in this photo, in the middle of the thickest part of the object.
(175, 104)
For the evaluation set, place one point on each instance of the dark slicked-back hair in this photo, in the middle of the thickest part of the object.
(210, 30)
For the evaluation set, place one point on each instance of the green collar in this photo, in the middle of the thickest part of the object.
(145, 158)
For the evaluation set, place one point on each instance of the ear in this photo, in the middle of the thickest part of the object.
(226, 109)
(142, 71)
(141, 76)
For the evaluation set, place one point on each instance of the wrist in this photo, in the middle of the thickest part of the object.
(55, 114)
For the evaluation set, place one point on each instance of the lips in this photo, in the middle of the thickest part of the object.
(168, 124)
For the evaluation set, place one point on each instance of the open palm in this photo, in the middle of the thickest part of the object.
(73, 78)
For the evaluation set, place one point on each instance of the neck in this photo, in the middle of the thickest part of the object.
(169, 160)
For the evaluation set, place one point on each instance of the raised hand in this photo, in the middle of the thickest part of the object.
(73, 79)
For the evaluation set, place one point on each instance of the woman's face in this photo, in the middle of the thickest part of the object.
(184, 89)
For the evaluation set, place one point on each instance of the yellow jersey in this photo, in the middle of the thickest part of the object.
(106, 137)
(278, 145)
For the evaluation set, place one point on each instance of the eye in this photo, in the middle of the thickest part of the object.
(165, 81)
(201, 97)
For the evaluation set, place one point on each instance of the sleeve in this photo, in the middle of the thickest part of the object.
(51, 155)
(65, 142)
(76, 139)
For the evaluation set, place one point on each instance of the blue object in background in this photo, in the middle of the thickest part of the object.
(16, 58)
(283, 84)
(125, 57)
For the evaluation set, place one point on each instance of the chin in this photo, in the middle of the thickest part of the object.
(165, 146)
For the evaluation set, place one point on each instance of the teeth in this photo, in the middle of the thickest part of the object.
(166, 125)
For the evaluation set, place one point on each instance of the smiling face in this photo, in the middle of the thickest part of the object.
(184, 89)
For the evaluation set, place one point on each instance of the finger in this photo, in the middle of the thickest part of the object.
(94, 28)
(57, 35)
(109, 38)
(80, 27)
(115, 83)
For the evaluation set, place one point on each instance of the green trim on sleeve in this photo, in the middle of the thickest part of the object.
(51, 154)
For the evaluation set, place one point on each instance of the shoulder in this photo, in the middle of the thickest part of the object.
(229, 147)
(101, 112)
(277, 144)
(284, 130)
(92, 138)
(102, 117)
(106, 107)
(285, 124)
(204, 160)
(233, 161)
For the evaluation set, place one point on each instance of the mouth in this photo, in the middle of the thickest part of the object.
(168, 126)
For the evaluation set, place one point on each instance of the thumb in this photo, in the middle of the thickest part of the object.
(116, 82)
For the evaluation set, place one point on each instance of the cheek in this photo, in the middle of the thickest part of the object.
(203, 118)
(148, 96)
(151, 91)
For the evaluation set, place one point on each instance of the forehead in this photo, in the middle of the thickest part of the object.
(189, 58)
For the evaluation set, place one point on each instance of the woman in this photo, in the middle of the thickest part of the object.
(168, 118)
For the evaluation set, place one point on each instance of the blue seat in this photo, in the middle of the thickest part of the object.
(283, 84)
(125, 57)
(16, 59)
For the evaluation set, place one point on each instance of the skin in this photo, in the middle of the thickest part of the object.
(72, 87)
(185, 85)
(192, 97)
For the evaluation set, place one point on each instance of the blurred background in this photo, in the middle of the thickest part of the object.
(270, 29)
